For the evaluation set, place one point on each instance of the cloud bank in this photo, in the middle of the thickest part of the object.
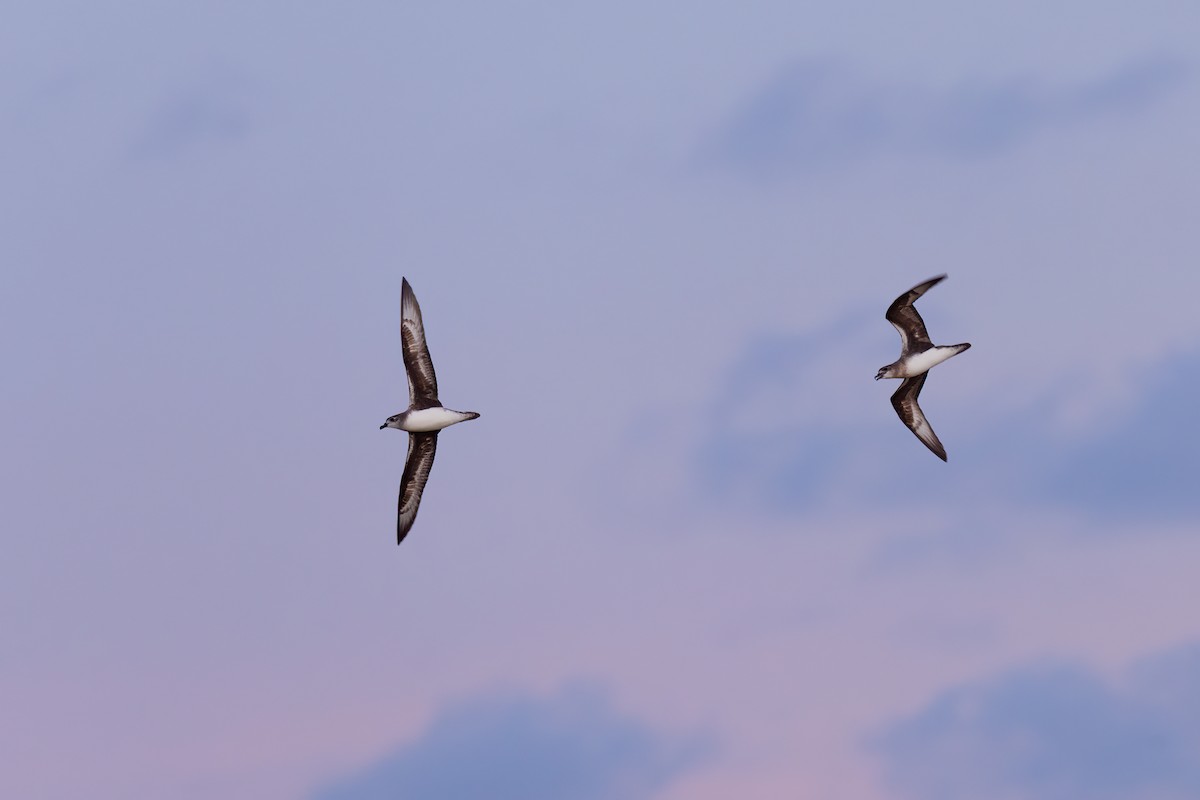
(573, 746)
(1056, 732)
(794, 422)
(820, 114)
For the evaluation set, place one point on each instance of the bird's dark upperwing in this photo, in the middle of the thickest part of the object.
(421, 449)
(913, 336)
(422, 382)
(905, 403)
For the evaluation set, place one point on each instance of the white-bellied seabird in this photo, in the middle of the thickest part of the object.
(425, 415)
(917, 356)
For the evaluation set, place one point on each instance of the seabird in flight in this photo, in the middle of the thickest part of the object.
(917, 356)
(425, 415)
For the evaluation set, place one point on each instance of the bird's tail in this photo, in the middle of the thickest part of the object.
(945, 352)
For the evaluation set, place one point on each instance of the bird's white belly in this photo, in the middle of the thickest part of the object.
(923, 362)
(427, 420)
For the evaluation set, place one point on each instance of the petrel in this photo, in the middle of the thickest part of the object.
(917, 356)
(425, 415)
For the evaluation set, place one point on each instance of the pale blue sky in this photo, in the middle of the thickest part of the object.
(653, 245)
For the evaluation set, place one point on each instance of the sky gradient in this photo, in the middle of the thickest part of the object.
(687, 552)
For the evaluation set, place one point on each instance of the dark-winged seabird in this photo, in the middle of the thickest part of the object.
(918, 355)
(425, 415)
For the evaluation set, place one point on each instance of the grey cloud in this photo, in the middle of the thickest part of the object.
(1142, 464)
(1132, 88)
(814, 414)
(573, 746)
(818, 115)
(1054, 732)
(1145, 463)
(784, 464)
(207, 111)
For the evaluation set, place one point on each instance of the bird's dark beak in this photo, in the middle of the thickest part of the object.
(877, 377)
(384, 425)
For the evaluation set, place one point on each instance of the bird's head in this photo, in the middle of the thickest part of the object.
(883, 372)
(391, 422)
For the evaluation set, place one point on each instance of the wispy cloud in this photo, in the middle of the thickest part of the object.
(1144, 462)
(573, 746)
(816, 115)
(776, 431)
(794, 423)
(210, 110)
(1055, 732)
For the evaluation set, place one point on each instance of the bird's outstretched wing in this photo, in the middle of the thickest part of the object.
(422, 382)
(421, 449)
(913, 336)
(905, 403)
